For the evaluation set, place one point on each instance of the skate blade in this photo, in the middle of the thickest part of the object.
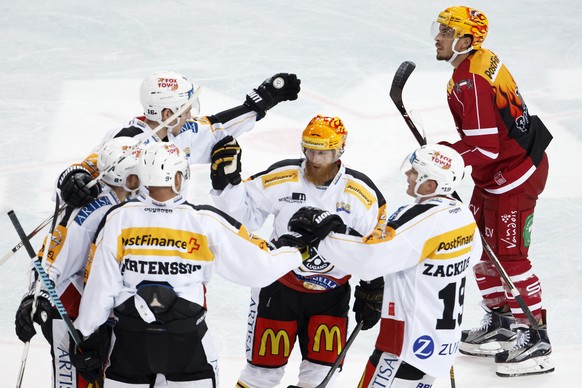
(534, 366)
(489, 349)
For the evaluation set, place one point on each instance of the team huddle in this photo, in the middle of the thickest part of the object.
(130, 257)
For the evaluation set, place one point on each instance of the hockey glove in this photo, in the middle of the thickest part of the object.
(73, 185)
(297, 240)
(89, 356)
(315, 224)
(280, 87)
(23, 322)
(225, 164)
(368, 302)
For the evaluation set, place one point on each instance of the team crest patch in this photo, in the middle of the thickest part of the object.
(343, 207)
(463, 84)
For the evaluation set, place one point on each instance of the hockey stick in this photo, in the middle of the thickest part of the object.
(47, 241)
(93, 182)
(339, 359)
(400, 78)
(42, 225)
(45, 278)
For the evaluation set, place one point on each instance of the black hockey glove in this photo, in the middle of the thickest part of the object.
(315, 224)
(89, 356)
(23, 322)
(292, 239)
(297, 240)
(225, 164)
(368, 302)
(280, 87)
(73, 185)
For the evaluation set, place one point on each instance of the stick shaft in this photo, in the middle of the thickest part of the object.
(44, 278)
(400, 78)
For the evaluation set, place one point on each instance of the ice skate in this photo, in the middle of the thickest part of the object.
(494, 335)
(529, 355)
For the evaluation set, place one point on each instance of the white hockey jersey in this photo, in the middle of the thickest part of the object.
(425, 254)
(70, 247)
(196, 137)
(282, 189)
(173, 242)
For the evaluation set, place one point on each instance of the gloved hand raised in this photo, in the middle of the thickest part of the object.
(225, 164)
(313, 223)
(90, 355)
(23, 321)
(368, 302)
(73, 185)
(280, 87)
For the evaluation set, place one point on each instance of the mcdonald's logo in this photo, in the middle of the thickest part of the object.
(275, 342)
(329, 335)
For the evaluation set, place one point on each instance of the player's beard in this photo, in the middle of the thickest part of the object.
(320, 175)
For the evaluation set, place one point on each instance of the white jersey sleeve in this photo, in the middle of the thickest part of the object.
(282, 190)
(71, 243)
(425, 254)
(197, 137)
(178, 244)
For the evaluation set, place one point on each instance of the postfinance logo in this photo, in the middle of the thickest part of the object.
(275, 339)
(327, 335)
(451, 244)
(280, 177)
(361, 193)
(163, 242)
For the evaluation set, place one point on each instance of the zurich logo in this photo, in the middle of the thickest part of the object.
(423, 347)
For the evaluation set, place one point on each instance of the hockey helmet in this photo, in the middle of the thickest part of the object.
(325, 133)
(118, 159)
(158, 164)
(439, 163)
(167, 90)
(463, 21)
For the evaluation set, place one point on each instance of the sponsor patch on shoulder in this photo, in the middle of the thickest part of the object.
(86, 211)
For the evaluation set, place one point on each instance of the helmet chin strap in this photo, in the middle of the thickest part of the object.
(457, 53)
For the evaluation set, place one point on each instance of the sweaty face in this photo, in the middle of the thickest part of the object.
(321, 166)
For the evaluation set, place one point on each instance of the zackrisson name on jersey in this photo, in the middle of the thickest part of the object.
(453, 269)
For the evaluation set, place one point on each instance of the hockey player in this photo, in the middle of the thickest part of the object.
(311, 302)
(67, 257)
(153, 258)
(425, 253)
(505, 146)
(162, 95)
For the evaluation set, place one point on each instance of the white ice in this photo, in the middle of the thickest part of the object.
(70, 71)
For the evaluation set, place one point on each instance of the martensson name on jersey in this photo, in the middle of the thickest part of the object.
(158, 267)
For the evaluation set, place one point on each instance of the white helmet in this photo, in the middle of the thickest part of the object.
(117, 160)
(439, 163)
(159, 163)
(166, 90)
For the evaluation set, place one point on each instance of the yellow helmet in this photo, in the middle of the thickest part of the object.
(465, 21)
(325, 133)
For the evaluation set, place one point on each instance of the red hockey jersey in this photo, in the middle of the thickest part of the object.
(499, 138)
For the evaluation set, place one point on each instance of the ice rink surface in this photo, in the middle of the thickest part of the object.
(70, 71)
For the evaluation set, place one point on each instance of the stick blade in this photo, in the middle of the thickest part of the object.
(400, 77)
